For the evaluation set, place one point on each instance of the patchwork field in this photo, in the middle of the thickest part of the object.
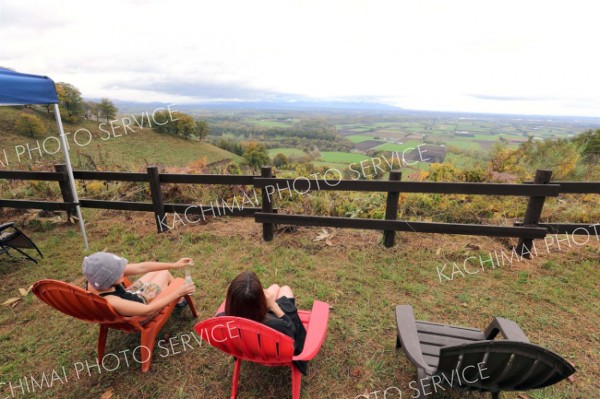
(399, 147)
(342, 157)
(478, 134)
(358, 138)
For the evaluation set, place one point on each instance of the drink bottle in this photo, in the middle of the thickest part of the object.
(188, 274)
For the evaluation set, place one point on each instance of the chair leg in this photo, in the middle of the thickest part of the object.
(191, 305)
(27, 256)
(296, 382)
(147, 348)
(236, 378)
(102, 342)
(422, 379)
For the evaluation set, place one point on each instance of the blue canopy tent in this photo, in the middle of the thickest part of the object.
(22, 89)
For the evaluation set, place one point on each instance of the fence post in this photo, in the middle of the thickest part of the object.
(533, 213)
(391, 210)
(65, 188)
(267, 204)
(157, 198)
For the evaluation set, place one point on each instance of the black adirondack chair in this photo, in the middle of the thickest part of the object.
(470, 359)
(13, 238)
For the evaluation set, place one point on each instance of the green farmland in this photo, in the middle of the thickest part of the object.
(342, 157)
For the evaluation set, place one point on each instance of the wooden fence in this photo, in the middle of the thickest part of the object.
(526, 231)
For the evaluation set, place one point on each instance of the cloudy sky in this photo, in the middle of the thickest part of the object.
(525, 56)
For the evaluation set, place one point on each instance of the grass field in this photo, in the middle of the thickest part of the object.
(553, 298)
(339, 166)
(128, 151)
(464, 144)
(399, 147)
(342, 157)
(288, 152)
(358, 138)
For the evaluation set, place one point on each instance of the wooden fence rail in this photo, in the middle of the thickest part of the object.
(528, 230)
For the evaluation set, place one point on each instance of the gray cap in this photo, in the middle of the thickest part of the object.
(103, 269)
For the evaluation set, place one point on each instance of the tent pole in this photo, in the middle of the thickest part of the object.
(70, 174)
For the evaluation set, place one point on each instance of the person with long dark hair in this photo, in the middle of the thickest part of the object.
(275, 307)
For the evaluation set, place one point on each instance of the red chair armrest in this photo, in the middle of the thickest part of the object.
(316, 331)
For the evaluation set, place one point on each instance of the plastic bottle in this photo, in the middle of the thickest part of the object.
(188, 273)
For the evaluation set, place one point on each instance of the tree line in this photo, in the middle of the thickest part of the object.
(74, 109)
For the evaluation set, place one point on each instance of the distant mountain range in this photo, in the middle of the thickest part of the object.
(132, 107)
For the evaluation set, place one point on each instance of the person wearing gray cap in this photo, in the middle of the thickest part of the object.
(105, 273)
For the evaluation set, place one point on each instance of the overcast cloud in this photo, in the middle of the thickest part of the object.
(538, 57)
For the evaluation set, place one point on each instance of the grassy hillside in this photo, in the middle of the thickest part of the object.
(122, 151)
(553, 298)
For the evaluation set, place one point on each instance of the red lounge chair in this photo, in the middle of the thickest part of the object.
(92, 308)
(248, 340)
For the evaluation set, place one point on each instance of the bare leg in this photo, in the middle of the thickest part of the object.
(162, 278)
(274, 290)
(147, 277)
(285, 291)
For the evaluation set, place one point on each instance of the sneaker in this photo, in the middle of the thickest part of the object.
(182, 303)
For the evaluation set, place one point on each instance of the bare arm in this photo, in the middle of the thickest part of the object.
(272, 305)
(131, 308)
(145, 267)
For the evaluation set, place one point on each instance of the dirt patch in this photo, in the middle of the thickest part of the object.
(365, 145)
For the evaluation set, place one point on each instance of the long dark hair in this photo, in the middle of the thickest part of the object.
(246, 298)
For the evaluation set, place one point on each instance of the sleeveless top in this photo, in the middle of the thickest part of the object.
(121, 293)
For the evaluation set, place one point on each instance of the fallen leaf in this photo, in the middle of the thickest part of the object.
(107, 394)
(23, 291)
(10, 301)
(439, 250)
(29, 289)
(325, 235)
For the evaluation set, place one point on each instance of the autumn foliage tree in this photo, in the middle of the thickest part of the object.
(179, 124)
(70, 102)
(256, 155)
(589, 143)
(108, 109)
(202, 129)
(29, 125)
(280, 160)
